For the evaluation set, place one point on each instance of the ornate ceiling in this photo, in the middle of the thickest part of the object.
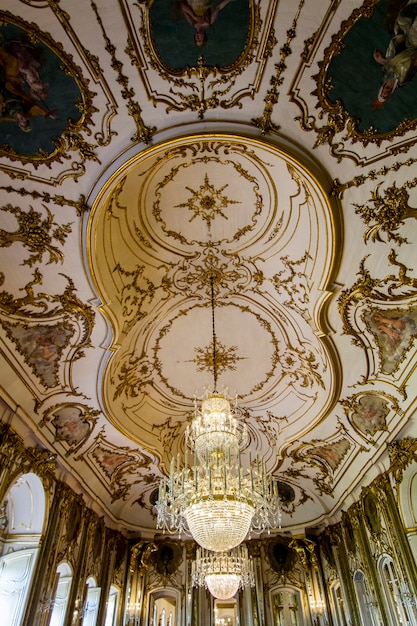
(138, 171)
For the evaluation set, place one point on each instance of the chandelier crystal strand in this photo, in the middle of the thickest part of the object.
(223, 573)
(215, 499)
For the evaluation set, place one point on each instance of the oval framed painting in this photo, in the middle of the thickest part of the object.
(42, 95)
(368, 74)
(185, 34)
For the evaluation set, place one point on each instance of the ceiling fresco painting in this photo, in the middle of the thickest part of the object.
(379, 96)
(183, 31)
(40, 95)
(152, 188)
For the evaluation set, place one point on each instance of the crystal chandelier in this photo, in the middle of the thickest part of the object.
(223, 573)
(215, 499)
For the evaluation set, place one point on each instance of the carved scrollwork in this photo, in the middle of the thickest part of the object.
(39, 236)
(386, 213)
(143, 133)
(402, 453)
(201, 86)
(264, 122)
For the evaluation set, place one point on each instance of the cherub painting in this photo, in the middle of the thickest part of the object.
(111, 461)
(373, 64)
(399, 61)
(395, 331)
(331, 453)
(42, 346)
(70, 425)
(37, 97)
(370, 414)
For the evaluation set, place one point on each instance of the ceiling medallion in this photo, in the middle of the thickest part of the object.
(215, 499)
(207, 201)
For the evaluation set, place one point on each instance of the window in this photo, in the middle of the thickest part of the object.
(61, 595)
(92, 603)
(400, 609)
(367, 607)
(111, 610)
(339, 605)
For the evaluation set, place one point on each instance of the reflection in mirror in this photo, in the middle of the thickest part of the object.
(162, 611)
(286, 607)
(225, 612)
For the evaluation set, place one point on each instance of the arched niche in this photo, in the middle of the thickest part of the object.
(23, 513)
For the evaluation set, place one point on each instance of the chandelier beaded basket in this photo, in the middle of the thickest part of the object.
(216, 500)
(223, 573)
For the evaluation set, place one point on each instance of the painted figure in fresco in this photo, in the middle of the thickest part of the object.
(29, 67)
(201, 15)
(396, 329)
(370, 415)
(21, 88)
(400, 60)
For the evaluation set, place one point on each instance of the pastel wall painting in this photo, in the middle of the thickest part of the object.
(37, 97)
(374, 74)
(70, 426)
(42, 346)
(395, 330)
(332, 454)
(184, 30)
(370, 414)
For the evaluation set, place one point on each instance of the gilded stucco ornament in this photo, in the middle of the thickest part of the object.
(197, 84)
(44, 327)
(79, 205)
(306, 551)
(252, 221)
(339, 188)
(143, 133)
(386, 213)
(402, 453)
(38, 234)
(292, 282)
(388, 311)
(264, 122)
(140, 556)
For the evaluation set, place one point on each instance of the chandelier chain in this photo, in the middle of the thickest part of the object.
(213, 324)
